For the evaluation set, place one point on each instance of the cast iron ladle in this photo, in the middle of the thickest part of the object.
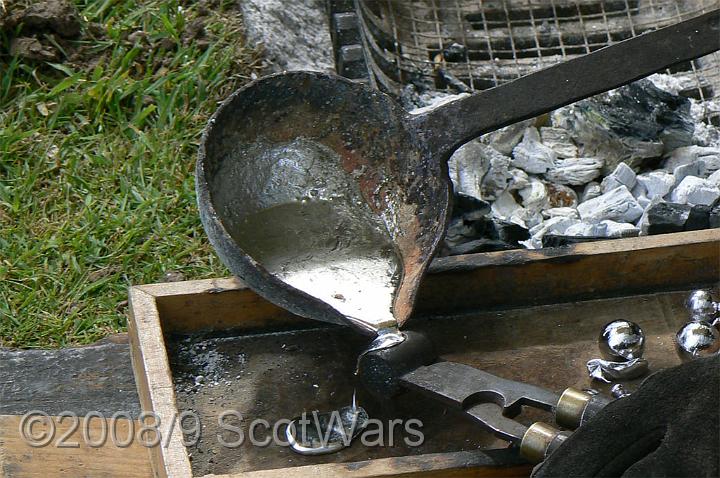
(328, 199)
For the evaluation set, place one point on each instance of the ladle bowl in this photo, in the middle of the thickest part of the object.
(316, 193)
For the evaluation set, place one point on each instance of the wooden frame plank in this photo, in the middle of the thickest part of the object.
(583, 271)
(18, 459)
(154, 383)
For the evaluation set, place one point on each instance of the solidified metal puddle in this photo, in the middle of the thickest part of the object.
(315, 232)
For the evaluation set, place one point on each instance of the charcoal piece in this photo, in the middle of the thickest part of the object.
(631, 124)
(531, 155)
(558, 240)
(623, 175)
(698, 219)
(695, 191)
(480, 245)
(616, 205)
(505, 139)
(666, 217)
(575, 171)
(511, 233)
(463, 204)
(478, 170)
(462, 230)
(714, 219)
(455, 52)
(656, 183)
(472, 230)
(559, 140)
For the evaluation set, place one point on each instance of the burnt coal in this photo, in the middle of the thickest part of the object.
(667, 217)
(472, 229)
(455, 52)
(637, 123)
(714, 218)
(480, 245)
(698, 219)
(511, 233)
(558, 240)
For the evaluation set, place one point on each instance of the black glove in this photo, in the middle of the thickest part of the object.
(670, 427)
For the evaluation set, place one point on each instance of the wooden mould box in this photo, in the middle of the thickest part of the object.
(479, 297)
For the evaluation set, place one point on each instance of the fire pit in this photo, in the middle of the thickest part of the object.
(555, 180)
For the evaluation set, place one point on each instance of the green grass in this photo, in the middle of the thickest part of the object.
(97, 167)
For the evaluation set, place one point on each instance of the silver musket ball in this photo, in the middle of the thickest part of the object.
(621, 340)
(700, 306)
(695, 340)
(619, 391)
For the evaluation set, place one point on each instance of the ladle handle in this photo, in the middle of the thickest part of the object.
(452, 125)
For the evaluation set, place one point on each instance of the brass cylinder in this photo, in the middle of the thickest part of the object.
(570, 408)
(538, 440)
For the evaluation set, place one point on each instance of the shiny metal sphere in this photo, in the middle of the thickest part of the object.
(621, 340)
(695, 340)
(619, 391)
(700, 305)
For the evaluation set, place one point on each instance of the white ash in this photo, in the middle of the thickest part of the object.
(616, 205)
(569, 212)
(505, 139)
(591, 191)
(534, 196)
(479, 171)
(673, 84)
(559, 140)
(531, 155)
(696, 192)
(556, 225)
(429, 101)
(207, 367)
(706, 134)
(575, 171)
(623, 175)
(655, 183)
(714, 179)
(691, 154)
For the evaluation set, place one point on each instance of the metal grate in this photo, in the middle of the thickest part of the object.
(478, 44)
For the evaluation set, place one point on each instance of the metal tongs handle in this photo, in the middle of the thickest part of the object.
(494, 401)
(570, 81)
(490, 400)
